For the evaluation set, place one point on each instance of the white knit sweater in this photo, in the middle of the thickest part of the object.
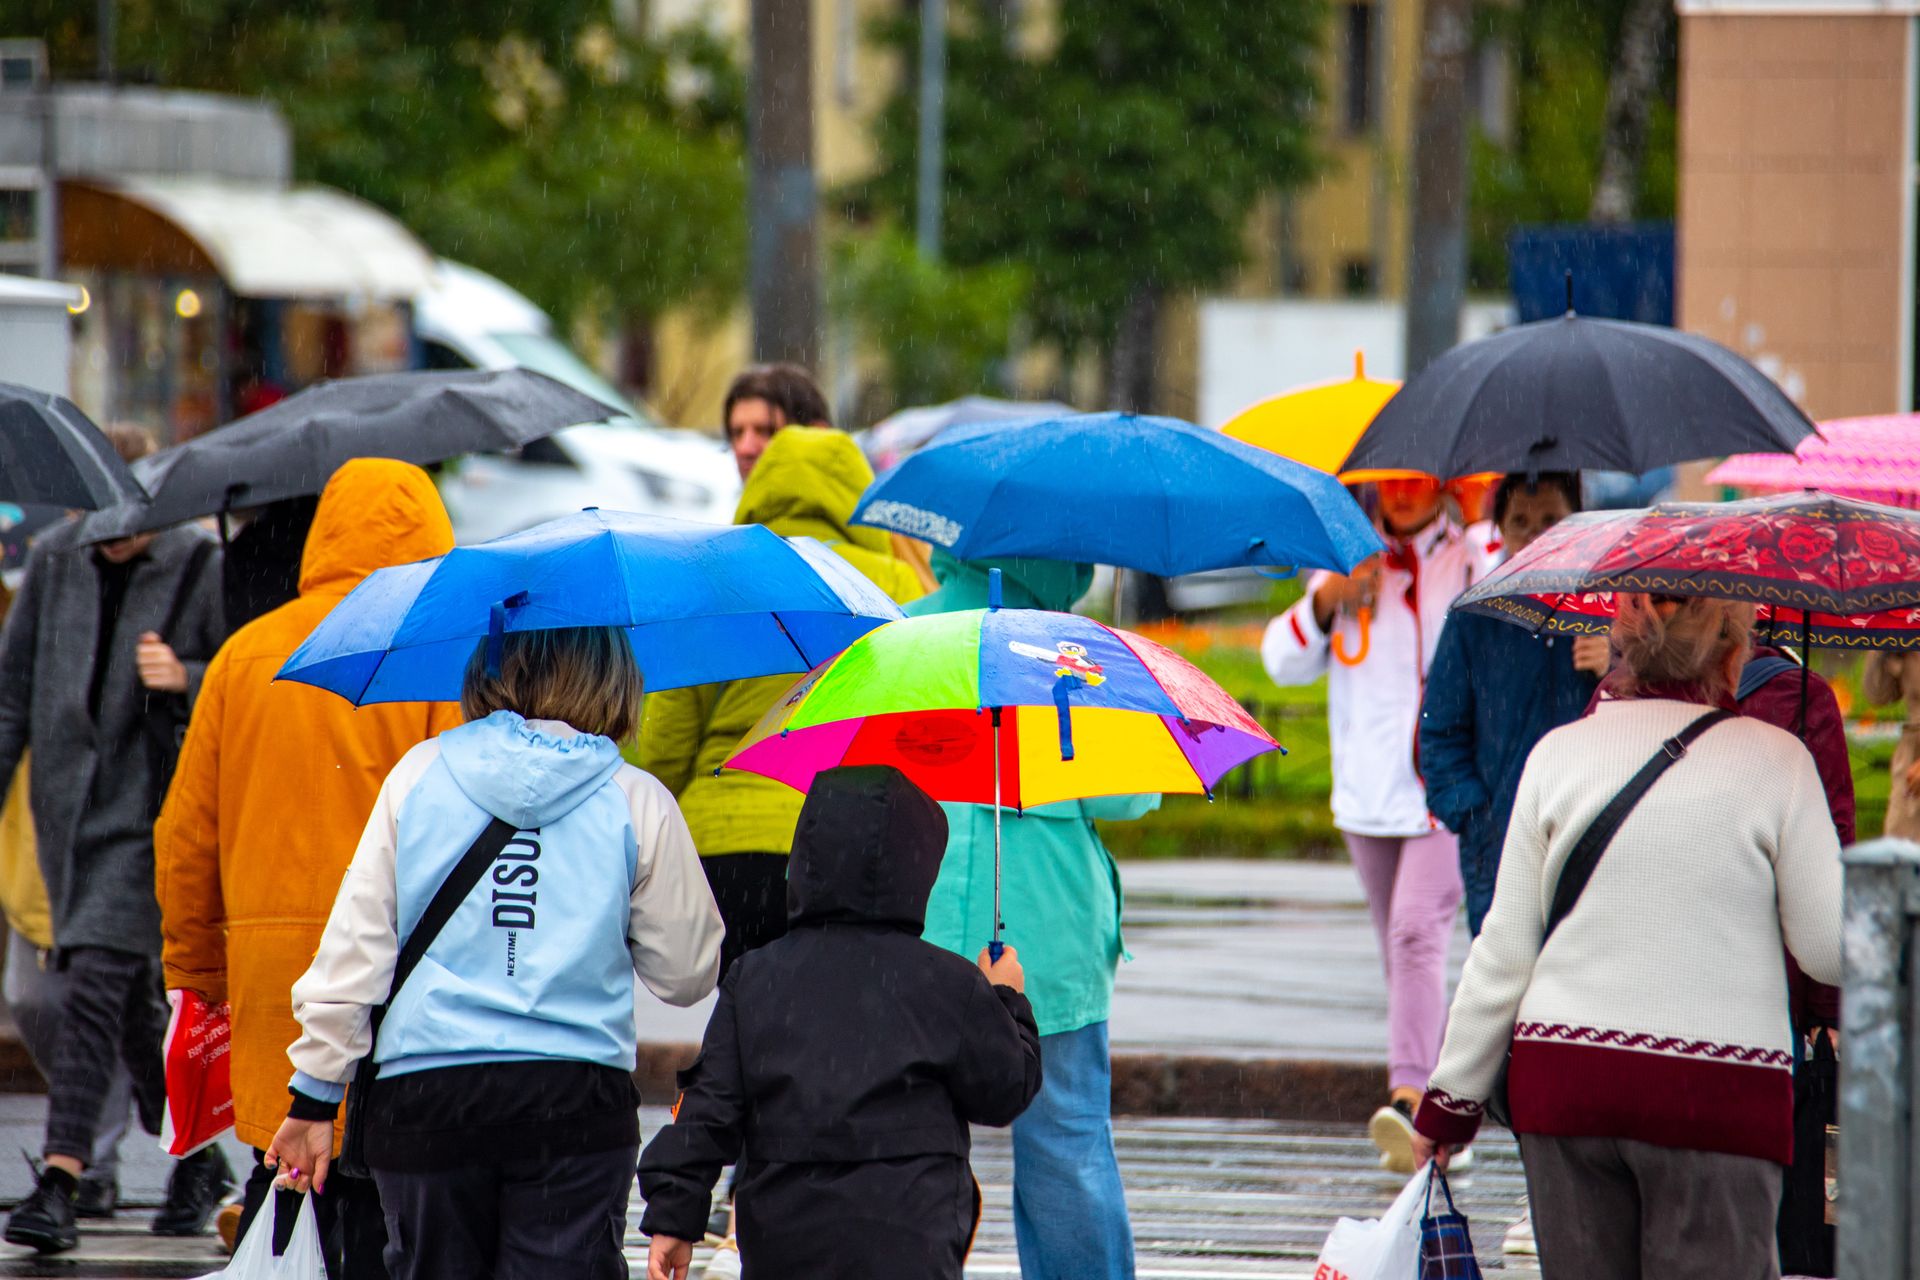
(1658, 1010)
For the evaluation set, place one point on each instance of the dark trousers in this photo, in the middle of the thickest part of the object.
(751, 891)
(511, 1219)
(114, 1013)
(353, 1230)
(1616, 1209)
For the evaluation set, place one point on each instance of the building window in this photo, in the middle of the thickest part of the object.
(1356, 277)
(1357, 55)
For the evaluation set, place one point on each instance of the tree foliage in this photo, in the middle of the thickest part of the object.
(1125, 157)
(590, 167)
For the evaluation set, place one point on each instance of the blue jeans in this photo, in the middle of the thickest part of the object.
(1069, 1210)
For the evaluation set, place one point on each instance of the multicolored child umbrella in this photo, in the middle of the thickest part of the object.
(1088, 711)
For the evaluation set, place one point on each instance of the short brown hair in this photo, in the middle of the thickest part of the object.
(787, 387)
(584, 676)
(1677, 642)
(130, 440)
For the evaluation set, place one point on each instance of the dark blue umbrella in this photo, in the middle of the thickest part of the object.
(1153, 494)
(52, 454)
(701, 603)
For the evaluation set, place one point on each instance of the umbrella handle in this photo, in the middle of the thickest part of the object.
(1365, 619)
(995, 950)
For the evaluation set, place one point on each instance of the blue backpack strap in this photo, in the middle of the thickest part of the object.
(1759, 671)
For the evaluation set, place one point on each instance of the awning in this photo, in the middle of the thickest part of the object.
(264, 241)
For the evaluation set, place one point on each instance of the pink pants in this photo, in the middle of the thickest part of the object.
(1413, 893)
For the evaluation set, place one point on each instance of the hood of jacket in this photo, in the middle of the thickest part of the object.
(1025, 583)
(867, 849)
(808, 482)
(374, 512)
(529, 772)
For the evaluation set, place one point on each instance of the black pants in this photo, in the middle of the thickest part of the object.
(512, 1219)
(751, 891)
(353, 1231)
(114, 1013)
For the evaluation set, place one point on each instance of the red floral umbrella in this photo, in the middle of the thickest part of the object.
(1826, 570)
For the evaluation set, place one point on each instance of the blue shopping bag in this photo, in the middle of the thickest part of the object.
(1446, 1250)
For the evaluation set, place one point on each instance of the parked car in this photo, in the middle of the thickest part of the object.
(469, 320)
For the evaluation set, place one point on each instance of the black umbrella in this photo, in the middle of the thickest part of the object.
(289, 449)
(1572, 394)
(52, 454)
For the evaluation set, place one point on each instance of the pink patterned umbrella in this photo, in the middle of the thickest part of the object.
(1873, 459)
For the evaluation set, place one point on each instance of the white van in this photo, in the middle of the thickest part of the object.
(469, 320)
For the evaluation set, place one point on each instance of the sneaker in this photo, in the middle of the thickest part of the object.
(1519, 1242)
(226, 1224)
(1462, 1161)
(194, 1191)
(725, 1262)
(44, 1220)
(1392, 1131)
(98, 1197)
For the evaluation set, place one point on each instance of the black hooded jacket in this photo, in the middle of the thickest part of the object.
(846, 1043)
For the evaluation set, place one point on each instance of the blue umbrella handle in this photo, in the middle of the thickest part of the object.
(995, 950)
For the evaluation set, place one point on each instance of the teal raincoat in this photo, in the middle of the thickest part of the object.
(1060, 890)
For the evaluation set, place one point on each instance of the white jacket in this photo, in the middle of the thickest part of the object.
(1373, 709)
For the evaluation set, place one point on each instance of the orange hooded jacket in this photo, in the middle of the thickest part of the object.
(275, 783)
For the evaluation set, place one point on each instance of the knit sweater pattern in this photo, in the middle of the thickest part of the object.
(1658, 1009)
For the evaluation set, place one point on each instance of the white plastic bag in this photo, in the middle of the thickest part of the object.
(1383, 1248)
(254, 1259)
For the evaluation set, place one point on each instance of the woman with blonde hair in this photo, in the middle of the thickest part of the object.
(1630, 976)
(501, 1129)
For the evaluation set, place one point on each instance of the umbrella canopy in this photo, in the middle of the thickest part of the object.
(899, 434)
(291, 448)
(701, 603)
(1153, 494)
(1088, 711)
(1572, 394)
(1590, 613)
(1317, 425)
(1872, 459)
(52, 454)
(1808, 552)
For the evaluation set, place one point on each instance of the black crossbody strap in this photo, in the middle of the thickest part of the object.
(1599, 834)
(447, 899)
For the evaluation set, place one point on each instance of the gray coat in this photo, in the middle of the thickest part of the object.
(92, 785)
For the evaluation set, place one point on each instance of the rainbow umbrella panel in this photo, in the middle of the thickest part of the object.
(1077, 709)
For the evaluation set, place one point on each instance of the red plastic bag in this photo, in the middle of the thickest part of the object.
(199, 1087)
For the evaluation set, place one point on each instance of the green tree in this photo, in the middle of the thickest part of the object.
(1116, 166)
(597, 170)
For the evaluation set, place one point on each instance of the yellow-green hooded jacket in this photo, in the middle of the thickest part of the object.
(806, 483)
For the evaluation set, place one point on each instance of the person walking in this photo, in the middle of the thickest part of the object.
(849, 1123)
(1061, 897)
(1644, 1026)
(1895, 677)
(1373, 636)
(100, 659)
(806, 482)
(1494, 691)
(502, 1128)
(275, 781)
(763, 400)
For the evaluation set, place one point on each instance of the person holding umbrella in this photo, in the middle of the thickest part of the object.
(1062, 898)
(275, 781)
(147, 610)
(1407, 862)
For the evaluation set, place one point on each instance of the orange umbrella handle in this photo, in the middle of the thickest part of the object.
(1365, 619)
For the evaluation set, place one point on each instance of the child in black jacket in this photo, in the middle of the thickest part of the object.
(844, 1062)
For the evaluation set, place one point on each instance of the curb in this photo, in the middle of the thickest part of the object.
(1152, 1084)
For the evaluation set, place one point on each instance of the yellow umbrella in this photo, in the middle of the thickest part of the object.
(1318, 425)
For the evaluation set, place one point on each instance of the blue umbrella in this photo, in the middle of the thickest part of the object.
(701, 603)
(1153, 494)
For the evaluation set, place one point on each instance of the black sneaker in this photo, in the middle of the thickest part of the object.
(44, 1220)
(194, 1191)
(98, 1197)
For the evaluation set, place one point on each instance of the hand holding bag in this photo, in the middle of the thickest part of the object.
(446, 900)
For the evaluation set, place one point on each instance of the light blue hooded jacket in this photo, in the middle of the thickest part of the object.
(1060, 889)
(601, 883)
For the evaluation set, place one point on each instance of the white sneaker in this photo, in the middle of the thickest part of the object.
(1519, 1242)
(725, 1262)
(1462, 1161)
(1392, 1132)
